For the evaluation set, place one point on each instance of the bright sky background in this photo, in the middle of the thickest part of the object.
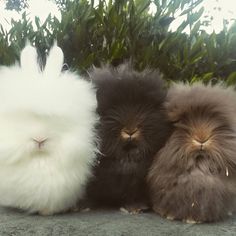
(42, 8)
(219, 10)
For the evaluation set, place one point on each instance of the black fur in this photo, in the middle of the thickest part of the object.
(127, 100)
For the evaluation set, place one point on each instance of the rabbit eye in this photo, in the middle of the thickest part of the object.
(175, 121)
(138, 126)
(181, 125)
(223, 128)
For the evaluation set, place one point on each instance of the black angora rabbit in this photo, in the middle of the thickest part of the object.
(193, 176)
(132, 129)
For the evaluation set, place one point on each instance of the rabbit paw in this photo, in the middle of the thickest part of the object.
(170, 217)
(191, 221)
(45, 212)
(134, 209)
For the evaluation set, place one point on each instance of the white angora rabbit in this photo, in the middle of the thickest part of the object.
(47, 139)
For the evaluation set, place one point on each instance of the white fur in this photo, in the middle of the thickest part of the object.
(47, 104)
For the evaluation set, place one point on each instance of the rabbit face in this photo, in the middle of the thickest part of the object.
(132, 120)
(203, 132)
(41, 122)
(130, 130)
(30, 136)
(204, 127)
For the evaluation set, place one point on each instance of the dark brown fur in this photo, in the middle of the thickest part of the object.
(127, 101)
(193, 176)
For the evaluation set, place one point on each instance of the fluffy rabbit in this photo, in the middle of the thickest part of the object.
(193, 176)
(132, 129)
(47, 139)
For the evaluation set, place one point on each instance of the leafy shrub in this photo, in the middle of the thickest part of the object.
(115, 31)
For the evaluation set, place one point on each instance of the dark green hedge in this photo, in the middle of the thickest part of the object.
(115, 31)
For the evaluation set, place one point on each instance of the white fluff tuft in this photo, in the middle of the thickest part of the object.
(28, 59)
(60, 113)
(54, 62)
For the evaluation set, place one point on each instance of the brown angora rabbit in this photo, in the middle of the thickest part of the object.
(193, 176)
(132, 129)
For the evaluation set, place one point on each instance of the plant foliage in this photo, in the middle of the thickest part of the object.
(116, 31)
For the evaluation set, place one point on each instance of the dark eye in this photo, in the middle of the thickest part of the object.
(224, 128)
(138, 126)
(181, 125)
(175, 121)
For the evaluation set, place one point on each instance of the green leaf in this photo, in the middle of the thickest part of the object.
(231, 79)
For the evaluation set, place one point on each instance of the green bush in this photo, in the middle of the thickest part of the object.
(116, 31)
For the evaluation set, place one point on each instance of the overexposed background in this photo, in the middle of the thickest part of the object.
(216, 10)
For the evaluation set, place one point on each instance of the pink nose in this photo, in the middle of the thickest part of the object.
(40, 141)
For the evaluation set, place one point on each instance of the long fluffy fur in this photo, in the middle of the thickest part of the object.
(52, 104)
(126, 99)
(197, 183)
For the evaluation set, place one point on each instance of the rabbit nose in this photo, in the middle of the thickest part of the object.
(40, 141)
(130, 134)
(200, 143)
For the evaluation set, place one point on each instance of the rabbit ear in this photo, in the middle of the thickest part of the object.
(28, 59)
(54, 62)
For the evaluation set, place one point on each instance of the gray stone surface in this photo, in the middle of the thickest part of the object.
(106, 223)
